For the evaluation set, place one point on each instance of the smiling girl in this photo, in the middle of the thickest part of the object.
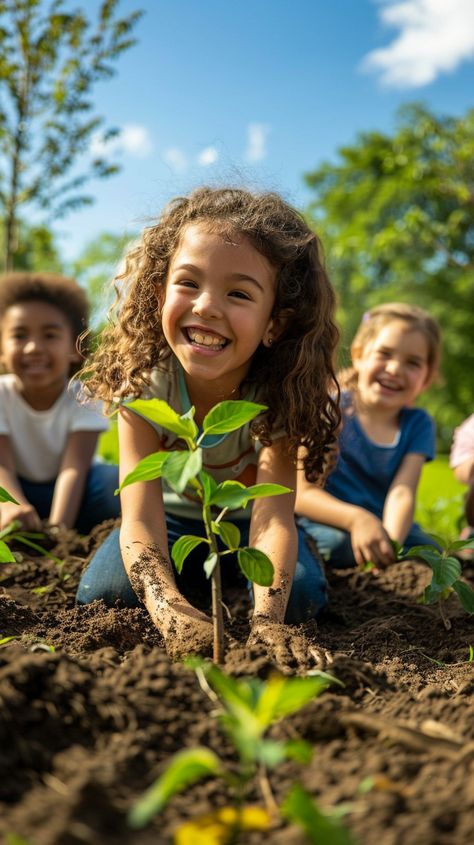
(225, 297)
(369, 498)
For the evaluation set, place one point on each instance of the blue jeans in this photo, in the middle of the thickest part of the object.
(105, 577)
(98, 502)
(335, 546)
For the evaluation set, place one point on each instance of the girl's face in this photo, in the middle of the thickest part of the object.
(217, 308)
(37, 346)
(393, 367)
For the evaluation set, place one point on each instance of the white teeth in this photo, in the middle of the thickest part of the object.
(205, 339)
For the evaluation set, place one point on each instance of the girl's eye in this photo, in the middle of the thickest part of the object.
(239, 294)
(186, 283)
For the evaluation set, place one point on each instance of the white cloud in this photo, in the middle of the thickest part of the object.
(133, 139)
(208, 156)
(435, 37)
(256, 141)
(175, 159)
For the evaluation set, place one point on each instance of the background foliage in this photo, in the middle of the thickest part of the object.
(51, 58)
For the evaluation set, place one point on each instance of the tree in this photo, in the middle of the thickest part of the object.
(37, 249)
(96, 266)
(50, 61)
(396, 214)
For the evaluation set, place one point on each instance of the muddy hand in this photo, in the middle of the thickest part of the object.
(287, 647)
(185, 629)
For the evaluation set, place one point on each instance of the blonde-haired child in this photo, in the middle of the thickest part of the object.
(369, 498)
(225, 297)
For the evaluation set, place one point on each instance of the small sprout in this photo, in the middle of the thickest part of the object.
(246, 708)
(320, 828)
(181, 469)
(446, 578)
(6, 640)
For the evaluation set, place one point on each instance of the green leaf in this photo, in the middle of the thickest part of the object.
(284, 695)
(446, 571)
(256, 566)
(181, 467)
(209, 485)
(229, 534)
(147, 469)
(320, 828)
(234, 693)
(427, 553)
(270, 752)
(233, 494)
(461, 544)
(230, 415)
(159, 412)
(261, 491)
(183, 547)
(6, 497)
(5, 553)
(229, 494)
(299, 750)
(6, 640)
(186, 768)
(397, 549)
(210, 563)
(466, 596)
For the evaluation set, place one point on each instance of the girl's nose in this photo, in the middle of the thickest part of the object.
(392, 365)
(206, 304)
(32, 345)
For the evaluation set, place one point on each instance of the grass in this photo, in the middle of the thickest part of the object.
(440, 501)
(440, 497)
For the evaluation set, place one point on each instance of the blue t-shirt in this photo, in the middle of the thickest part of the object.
(365, 470)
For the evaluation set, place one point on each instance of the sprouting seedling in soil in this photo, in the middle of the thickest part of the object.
(300, 808)
(181, 469)
(446, 577)
(6, 555)
(13, 533)
(245, 709)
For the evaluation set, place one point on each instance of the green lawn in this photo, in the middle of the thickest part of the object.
(440, 496)
(440, 499)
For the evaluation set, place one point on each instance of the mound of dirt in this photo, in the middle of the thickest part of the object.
(91, 709)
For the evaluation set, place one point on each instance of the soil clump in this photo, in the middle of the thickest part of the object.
(92, 708)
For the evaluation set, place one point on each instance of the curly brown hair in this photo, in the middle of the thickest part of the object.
(296, 376)
(64, 293)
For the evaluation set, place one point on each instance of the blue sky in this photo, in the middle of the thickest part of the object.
(259, 92)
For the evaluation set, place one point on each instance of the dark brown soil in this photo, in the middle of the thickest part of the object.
(86, 728)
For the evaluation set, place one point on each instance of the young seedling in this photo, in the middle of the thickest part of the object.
(446, 577)
(183, 469)
(6, 555)
(245, 710)
(320, 828)
(13, 533)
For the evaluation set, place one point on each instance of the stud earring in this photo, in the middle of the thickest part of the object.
(270, 341)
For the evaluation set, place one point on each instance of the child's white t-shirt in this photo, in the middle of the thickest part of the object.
(38, 438)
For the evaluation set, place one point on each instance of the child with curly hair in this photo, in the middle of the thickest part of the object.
(224, 297)
(369, 498)
(47, 438)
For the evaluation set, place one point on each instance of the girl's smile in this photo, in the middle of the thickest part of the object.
(218, 304)
(393, 368)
